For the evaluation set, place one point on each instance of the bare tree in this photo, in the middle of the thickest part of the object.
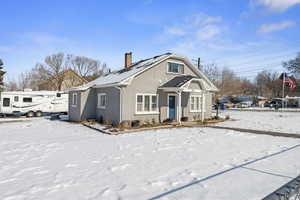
(268, 84)
(212, 72)
(293, 66)
(52, 70)
(87, 67)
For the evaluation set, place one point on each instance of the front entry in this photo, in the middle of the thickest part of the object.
(172, 107)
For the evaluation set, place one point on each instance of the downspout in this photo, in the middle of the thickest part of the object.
(120, 106)
(203, 106)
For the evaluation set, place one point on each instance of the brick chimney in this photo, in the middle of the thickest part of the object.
(128, 59)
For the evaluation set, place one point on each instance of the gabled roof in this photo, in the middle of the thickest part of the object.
(122, 76)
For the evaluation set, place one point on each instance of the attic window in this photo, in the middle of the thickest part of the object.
(175, 68)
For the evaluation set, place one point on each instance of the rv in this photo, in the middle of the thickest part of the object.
(33, 103)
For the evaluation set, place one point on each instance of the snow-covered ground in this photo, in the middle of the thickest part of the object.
(42, 159)
(287, 122)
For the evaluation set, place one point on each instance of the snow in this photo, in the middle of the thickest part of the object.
(286, 122)
(43, 159)
(116, 77)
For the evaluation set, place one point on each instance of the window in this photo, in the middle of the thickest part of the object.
(139, 103)
(6, 102)
(74, 99)
(175, 68)
(16, 98)
(102, 101)
(196, 103)
(146, 103)
(58, 95)
(27, 100)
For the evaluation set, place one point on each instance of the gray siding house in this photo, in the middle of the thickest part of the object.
(155, 89)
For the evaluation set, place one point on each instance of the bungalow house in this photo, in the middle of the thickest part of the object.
(155, 89)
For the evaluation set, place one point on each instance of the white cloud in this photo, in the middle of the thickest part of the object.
(208, 32)
(202, 19)
(267, 28)
(277, 5)
(199, 27)
(177, 31)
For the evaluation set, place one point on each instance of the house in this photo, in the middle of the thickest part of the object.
(69, 78)
(159, 88)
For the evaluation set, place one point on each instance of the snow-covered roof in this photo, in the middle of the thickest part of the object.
(121, 76)
(117, 77)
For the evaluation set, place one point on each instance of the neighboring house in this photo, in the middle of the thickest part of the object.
(159, 88)
(70, 79)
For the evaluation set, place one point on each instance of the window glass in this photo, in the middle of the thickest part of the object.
(147, 103)
(139, 105)
(6, 102)
(16, 99)
(154, 103)
(27, 100)
(74, 99)
(103, 101)
(175, 68)
(192, 103)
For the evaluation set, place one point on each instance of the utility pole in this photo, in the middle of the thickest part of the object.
(283, 87)
(1, 75)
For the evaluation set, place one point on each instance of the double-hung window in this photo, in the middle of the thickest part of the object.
(175, 68)
(74, 99)
(196, 103)
(146, 103)
(102, 101)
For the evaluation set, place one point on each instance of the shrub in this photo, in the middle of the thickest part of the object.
(184, 119)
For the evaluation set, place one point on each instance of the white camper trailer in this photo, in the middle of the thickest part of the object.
(33, 103)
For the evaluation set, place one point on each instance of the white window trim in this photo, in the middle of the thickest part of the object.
(74, 104)
(99, 101)
(201, 103)
(175, 72)
(146, 112)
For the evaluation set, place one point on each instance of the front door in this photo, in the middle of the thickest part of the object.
(172, 107)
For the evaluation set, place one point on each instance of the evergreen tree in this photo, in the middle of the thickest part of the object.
(1, 75)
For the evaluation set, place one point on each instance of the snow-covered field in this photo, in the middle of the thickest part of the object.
(42, 159)
(287, 122)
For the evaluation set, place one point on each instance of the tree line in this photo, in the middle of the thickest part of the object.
(266, 83)
(52, 71)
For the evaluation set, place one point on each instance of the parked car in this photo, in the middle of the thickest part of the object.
(243, 105)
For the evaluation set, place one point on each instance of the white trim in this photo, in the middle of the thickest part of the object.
(201, 107)
(143, 103)
(175, 73)
(99, 96)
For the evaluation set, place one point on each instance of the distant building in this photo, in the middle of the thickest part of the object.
(71, 79)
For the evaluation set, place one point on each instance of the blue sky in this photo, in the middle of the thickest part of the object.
(245, 35)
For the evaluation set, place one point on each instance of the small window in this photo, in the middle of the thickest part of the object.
(6, 102)
(102, 100)
(146, 103)
(139, 103)
(27, 100)
(74, 99)
(58, 95)
(16, 99)
(175, 68)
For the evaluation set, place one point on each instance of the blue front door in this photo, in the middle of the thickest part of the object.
(172, 107)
